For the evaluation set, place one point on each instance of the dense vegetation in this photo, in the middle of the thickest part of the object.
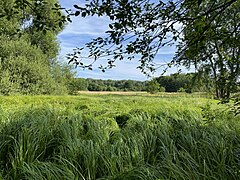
(170, 83)
(89, 84)
(28, 56)
(117, 137)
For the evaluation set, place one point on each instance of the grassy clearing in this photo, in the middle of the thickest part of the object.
(117, 137)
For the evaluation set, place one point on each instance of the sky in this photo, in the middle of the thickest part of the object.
(82, 30)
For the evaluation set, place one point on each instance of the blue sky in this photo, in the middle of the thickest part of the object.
(82, 30)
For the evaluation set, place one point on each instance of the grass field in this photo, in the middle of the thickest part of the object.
(117, 136)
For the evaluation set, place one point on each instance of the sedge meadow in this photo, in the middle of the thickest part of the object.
(112, 136)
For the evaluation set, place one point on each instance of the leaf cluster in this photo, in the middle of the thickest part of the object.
(140, 28)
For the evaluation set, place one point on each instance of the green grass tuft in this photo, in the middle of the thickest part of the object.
(117, 137)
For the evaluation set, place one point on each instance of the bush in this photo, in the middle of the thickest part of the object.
(181, 89)
(153, 86)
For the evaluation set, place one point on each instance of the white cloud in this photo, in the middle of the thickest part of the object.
(82, 30)
(122, 71)
(167, 50)
(90, 26)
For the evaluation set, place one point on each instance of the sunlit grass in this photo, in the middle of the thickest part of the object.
(117, 137)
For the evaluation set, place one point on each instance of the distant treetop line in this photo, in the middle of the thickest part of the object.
(172, 83)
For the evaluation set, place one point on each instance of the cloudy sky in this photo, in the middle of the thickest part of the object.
(82, 30)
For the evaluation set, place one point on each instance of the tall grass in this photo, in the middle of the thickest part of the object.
(80, 138)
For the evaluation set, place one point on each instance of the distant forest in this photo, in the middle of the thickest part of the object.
(170, 83)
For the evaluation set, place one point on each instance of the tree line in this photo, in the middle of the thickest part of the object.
(170, 83)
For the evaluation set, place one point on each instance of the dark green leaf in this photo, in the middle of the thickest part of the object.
(84, 14)
(77, 13)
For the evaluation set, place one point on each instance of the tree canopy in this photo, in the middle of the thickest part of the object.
(143, 27)
(217, 52)
(29, 47)
(206, 33)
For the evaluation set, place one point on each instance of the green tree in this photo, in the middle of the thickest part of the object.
(63, 76)
(142, 27)
(153, 86)
(28, 58)
(25, 67)
(173, 82)
(32, 15)
(77, 84)
(217, 53)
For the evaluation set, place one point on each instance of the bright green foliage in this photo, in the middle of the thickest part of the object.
(28, 58)
(78, 138)
(32, 15)
(6, 86)
(24, 69)
(174, 82)
(171, 83)
(77, 84)
(47, 42)
(62, 75)
(116, 85)
(217, 52)
(181, 90)
(8, 24)
(153, 86)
